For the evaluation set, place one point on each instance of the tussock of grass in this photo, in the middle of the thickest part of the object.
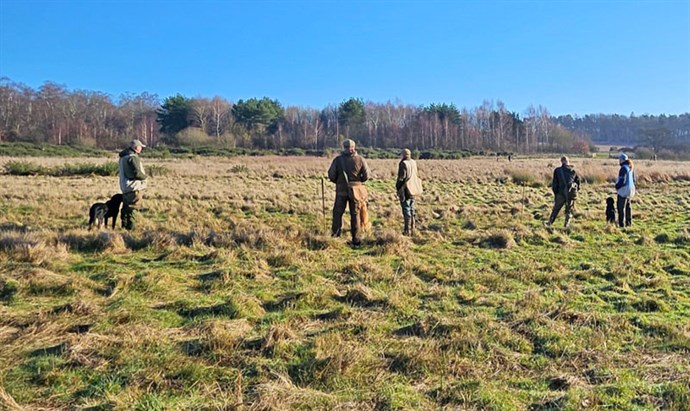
(8, 290)
(525, 178)
(362, 296)
(32, 248)
(501, 239)
(93, 242)
(283, 394)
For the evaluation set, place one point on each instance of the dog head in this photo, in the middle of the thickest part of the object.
(609, 201)
(116, 199)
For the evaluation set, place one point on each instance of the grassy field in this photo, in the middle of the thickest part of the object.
(231, 295)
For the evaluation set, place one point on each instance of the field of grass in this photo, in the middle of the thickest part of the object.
(231, 295)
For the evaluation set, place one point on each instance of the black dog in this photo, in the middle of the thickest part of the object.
(610, 211)
(102, 211)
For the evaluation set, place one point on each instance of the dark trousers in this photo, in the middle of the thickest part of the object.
(342, 201)
(407, 206)
(130, 202)
(559, 202)
(624, 212)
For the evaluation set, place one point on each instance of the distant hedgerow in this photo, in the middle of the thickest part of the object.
(25, 168)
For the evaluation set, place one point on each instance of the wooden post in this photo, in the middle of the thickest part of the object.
(323, 205)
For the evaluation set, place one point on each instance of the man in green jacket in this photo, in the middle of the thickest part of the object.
(132, 181)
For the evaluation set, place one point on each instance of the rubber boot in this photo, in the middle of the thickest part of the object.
(412, 225)
(406, 229)
(127, 217)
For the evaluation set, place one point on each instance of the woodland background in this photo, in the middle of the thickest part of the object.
(53, 114)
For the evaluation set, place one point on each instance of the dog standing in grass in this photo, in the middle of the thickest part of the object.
(610, 211)
(101, 212)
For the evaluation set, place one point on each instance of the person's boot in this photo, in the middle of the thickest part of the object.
(355, 231)
(406, 229)
(127, 217)
(412, 225)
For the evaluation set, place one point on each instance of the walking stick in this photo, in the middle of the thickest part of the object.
(523, 201)
(323, 205)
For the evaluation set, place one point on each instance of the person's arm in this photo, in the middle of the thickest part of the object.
(402, 176)
(364, 174)
(555, 182)
(577, 181)
(333, 172)
(137, 168)
(621, 178)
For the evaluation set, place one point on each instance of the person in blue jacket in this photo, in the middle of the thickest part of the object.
(625, 187)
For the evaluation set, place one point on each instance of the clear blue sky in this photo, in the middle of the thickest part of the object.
(572, 57)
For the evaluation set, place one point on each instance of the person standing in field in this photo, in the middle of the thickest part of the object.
(408, 186)
(565, 185)
(625, 187)
(132, 182)
(349, 171)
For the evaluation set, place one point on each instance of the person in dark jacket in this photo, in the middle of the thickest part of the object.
(132, 182)
(565, 185)
(348, 171)
(408, 186)
(625, 188)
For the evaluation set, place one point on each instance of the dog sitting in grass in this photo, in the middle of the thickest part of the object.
(101, 212)
(610, 211)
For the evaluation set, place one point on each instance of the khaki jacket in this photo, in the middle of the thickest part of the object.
(408, 184)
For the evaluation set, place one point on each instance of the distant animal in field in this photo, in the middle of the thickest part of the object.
(101, 212)
(610, 211)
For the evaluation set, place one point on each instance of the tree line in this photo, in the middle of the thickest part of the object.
(53, 114)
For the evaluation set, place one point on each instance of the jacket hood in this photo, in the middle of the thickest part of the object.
(126, 152)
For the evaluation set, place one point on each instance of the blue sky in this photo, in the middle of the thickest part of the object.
(572, 57)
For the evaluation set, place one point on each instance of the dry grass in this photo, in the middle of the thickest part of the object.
(231, 294)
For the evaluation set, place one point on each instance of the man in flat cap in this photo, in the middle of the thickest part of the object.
(132, 181)
(349, 171)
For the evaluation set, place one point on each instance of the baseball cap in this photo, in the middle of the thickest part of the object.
(136, 143)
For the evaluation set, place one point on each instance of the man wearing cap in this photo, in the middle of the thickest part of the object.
(625, 188)
(132, 181)
(408, 186)
(348, 171)
(565, 185)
